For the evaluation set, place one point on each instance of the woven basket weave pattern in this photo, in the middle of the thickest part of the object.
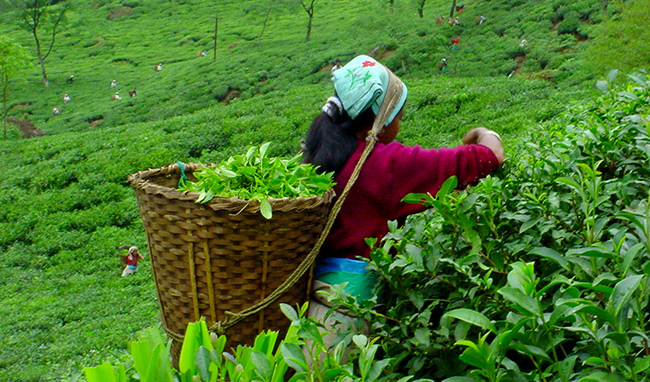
(223, 256)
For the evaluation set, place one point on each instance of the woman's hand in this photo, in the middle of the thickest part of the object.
(486, 137)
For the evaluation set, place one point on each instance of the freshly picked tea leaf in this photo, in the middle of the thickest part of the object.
(255, 176)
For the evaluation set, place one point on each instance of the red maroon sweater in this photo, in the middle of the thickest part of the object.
(391, 172)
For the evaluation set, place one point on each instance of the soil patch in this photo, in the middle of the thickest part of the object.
(119, 12)
(94, 122)
(379, 53)
(230, 95)
(28, 129)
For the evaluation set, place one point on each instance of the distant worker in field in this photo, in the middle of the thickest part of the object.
(459, 8)
(133, 93)
(131, 261)
(113, 84)
(158, 67)
(56, 111)
(66, 98)
(337, 65)
(202, 54)
(442, 65)
(367, 108)
(454, 44)
(440, 19)
(481, 19)
(116, 97)
(523, 43)
(69, 80)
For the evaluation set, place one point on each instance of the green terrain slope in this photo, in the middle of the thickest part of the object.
(65, 205)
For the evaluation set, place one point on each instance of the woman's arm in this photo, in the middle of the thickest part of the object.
(488, 138)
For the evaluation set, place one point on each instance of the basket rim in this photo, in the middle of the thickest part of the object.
(140, 181)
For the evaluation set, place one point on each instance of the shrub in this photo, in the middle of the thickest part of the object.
(538, 273)
(204, 358)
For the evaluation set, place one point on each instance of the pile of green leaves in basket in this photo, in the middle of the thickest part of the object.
(256, 176)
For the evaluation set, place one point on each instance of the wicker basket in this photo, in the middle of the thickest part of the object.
(223, 256)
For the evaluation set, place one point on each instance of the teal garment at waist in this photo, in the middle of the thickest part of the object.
(335, 270)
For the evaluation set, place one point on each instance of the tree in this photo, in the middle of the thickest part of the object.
(38, 18)
(13, 57)
(310, 11)
(421, 8)
(453, 8)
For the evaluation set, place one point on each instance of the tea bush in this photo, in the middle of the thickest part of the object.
(64, 202)
(539, 273)
(298, 356)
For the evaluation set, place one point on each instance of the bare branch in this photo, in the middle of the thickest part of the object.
(54, 27)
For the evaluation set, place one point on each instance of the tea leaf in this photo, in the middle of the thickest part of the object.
(265, 208)
(603, 86)
(642, 365)
(623, 293)
(532, 351)
(525, 303)
(262, 365)
(552, 255)
(630, 255)
(472, 317)
(294, 357)
(611, 76)
(203, 363)
(602, 377)
(289, 312)
(105, 373)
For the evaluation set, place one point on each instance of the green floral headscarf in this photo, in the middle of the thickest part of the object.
(363, 83)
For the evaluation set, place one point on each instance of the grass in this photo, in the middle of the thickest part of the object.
(65, 203)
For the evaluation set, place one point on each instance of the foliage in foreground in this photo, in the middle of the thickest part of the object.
(204, 358)
(540, 274)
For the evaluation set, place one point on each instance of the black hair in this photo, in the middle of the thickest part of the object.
(331, 141)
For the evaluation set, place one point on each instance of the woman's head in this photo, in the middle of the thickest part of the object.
(365, 83)
(368, 96)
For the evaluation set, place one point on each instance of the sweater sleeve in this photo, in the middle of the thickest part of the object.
(416, 170)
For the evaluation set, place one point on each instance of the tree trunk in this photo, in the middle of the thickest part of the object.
(266, 20)
(453, 8)
(41, 59)
(311, 17)
(421, 8)
(310, 12)
(216, 27)
(4, 104)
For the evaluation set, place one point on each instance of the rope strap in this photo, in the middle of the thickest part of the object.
(221, 326)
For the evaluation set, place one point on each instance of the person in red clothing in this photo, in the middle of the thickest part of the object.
(132, 261)
(370, 99)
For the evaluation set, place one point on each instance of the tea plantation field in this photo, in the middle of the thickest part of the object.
(65, 205)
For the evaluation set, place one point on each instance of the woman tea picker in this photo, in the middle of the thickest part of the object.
(369, 102)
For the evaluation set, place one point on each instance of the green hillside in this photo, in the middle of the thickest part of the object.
(65, 205)
(261, 48)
